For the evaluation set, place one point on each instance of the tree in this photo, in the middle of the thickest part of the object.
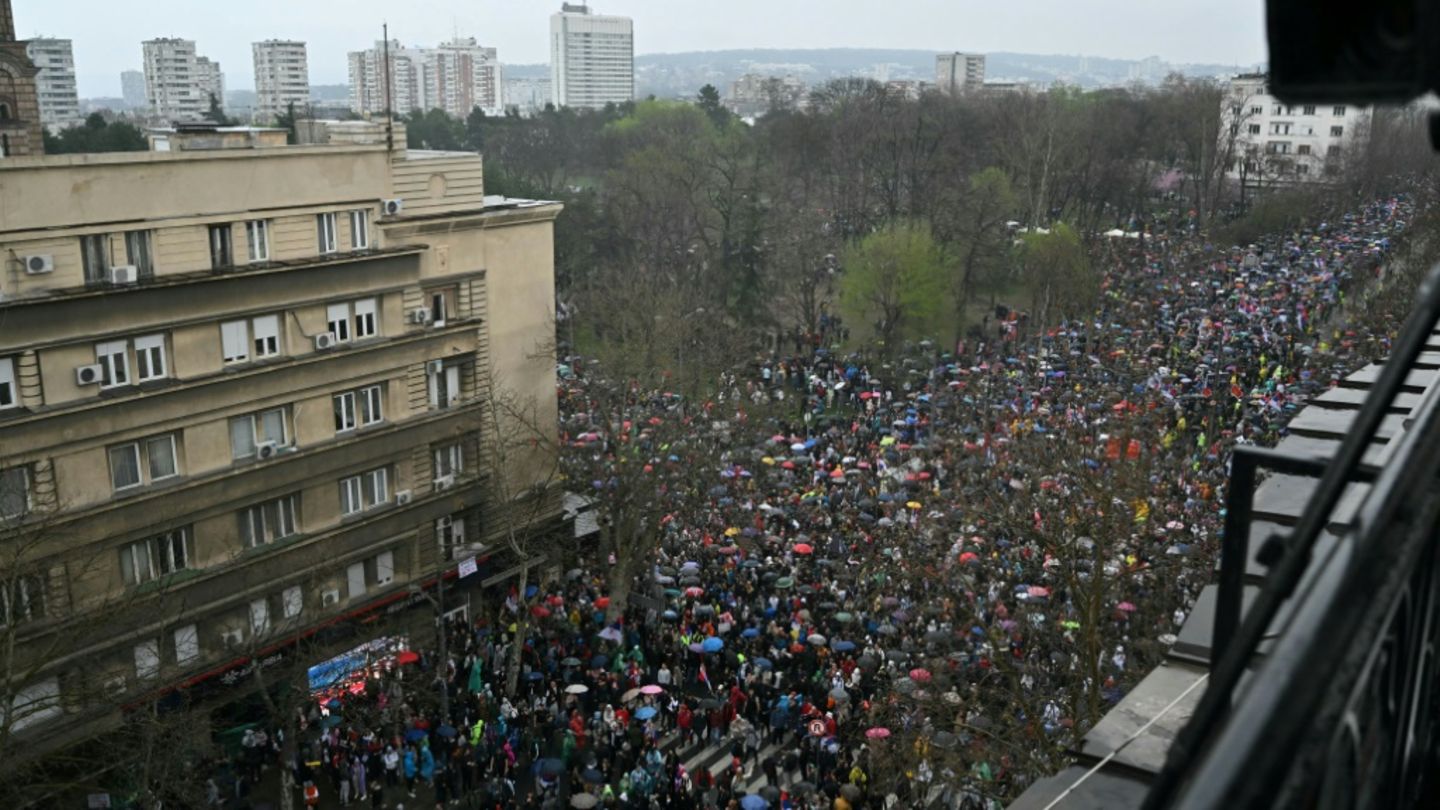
(97, 135)
(434, 130)
(895, 278)
(1056, 269)
(709, 100)
(979, 238)
(286, 121)
(217, 115)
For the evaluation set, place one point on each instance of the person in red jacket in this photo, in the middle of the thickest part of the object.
(684, 719)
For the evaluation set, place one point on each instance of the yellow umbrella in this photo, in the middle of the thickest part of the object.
(913, 504)
(731, 532)
(887, 441)
(768, 461)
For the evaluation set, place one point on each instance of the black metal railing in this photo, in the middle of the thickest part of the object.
(1340, 709)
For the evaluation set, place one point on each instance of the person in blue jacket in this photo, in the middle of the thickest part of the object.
(409, 767)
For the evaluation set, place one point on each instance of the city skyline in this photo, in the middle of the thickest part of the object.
(108, 42)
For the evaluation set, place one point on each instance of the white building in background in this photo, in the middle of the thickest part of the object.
(756, 94)
(132, 88)
(527, 96)
(592, 58)
(460, 75)
(179, 82)
(55, 84)
(1279, 143)
(367, 80)
(282, 77)
(959, 72)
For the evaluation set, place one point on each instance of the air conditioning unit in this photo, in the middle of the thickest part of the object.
(325, 340)
(392, 207)
(123, 274)
(435, 367)
(267, 449)
(90, 375)
(444, 482)
(233, 638)
(420, 315)
(330, 597)
(35, 265)
(402, 497)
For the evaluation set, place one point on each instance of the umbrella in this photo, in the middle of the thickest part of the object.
(570, 661)
(407, 657)
(611, 634)
(652, 689)
(630, 695)
(1128, 607)
(750, 632)
(415, 734)
(877, 733)
(592, 776)
(770, 792)
(712, 644)
(844, 618)
(550, 767)
(920, 675)
(763, 663)
(754, 801)
(850, 792)
(842, 646)
(332, 720)
(645, 713)
(784, 583)
(576, 689)
(599, 661)
(447, 731)
(694, 591)
(584, 801)
(817, 640)
(803, 548)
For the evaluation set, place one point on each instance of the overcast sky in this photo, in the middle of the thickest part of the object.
(107, 33)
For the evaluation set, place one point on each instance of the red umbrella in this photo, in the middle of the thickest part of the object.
(540, 611)
(803, 548)
(556, 600)
(877, 733)
(969, 557)
(603, 602)
(789, 465)
(920, 675)
(407, 657)
(694, 591)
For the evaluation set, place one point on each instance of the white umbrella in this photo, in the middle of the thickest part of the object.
(577, 689)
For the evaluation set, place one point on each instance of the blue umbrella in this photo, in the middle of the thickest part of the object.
(331, 721)
(447, 731)
(645, 712)
(843, 646)
(599, 661)
(750, 632)
(534, 676)
(763, 663)
(670, 614)
(415, 734)
(754, 802)
(712, 644)
(531, 590)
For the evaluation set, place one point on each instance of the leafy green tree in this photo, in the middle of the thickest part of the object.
(97, 135)
(435, 129)
(286, 121)
(979, 239)
(709, 101)
(475, 130)
(217, 115)
(895, 278)
(1057, 271)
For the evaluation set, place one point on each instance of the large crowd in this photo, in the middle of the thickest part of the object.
(892, 581)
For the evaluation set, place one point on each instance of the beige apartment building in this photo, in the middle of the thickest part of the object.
(242, 398)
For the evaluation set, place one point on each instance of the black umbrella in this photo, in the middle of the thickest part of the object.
(550, 767)
(592, 776)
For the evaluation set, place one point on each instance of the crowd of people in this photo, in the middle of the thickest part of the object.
(892, 578)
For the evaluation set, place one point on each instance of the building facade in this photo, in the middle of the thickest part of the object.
(526, 96)
(55, 83)
(132, 89)
(21, 132)
(756, 94)
(959, 72)
(460, 75)
(1278, 143)
(179, 83)
(367, 70)
(223, 433)
(282, 78)
(592, 58)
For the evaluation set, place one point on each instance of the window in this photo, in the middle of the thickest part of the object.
(187, 644)
(360, 229)
(1254, 129)
(365, 318)
(259, 617)
(1257, 110)
(385, 568)
(439, 306)
(147, 660)
(1336, 132)
(269, 521)
(1332, 151)
(138, 252)
(371, 411)
(9, 391)
(113, 358)
(292, 601)
(365, 491)
(156, 557)
(449, 461)
(1339, 110)
(1302, 149)
(355, 579)
(1279, 109)
(250, 430)
(36, 703)
(1309, 109)
(14, 492)
(344, 411)
(338, 318)
(143, 462)
(220, 253)
(325, 228)
(95, 256)
(1302, 168)
(444, 386)
(358, 408)
(450, 533)
(235, 339)
(257, 240)
(22, 599)
(150, 358)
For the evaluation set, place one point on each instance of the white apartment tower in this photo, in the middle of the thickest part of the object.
(1278, 143)
(178, 81)
(132, 87)
(459, 76)
(282, 78)
(55, 84)
(367, 80)
(959, 72)
(592, 58)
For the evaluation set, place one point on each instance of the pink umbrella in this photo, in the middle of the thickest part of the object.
(1128, 607)
(803, 548)
(877, 733)
(920, 675)
(1039, 591)
(652, 689)
(694, 591)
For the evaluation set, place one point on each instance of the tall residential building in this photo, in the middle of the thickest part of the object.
(132, 87)
(527, 96)
(245, 415)
(1278, 143)
(179, 82)
(282, 78)
(367, 80)
(592, 58)
(21, 132)
(460, 75)
(959, 72)
(55, 84)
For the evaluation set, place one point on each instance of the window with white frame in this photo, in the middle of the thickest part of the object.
(443, 386)
(237, 346)
(440, 303)
(337, 317)
(325, 230)
(259, 617)
(249, 431)
(150, 358)
(187, 644)
(385, 568)
(14, 492)
(450, 534)
(147, 660)
(292, 601)
(358, 408)
(449, 461)
(257, 240)
(135, 464)
(360, 229)
(22, 599)
(221, 256)
(364, 491)
(365, 319)
(9, 388)
(269, 521)
(114, 359)
(34, 704)
(158, 556)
